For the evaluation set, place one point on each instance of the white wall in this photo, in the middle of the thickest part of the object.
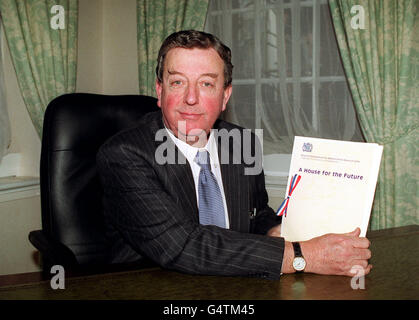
(120, 67)
(90, 47)
(17, 219)
(107, 47)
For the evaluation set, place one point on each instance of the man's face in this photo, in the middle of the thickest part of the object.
(192, 93)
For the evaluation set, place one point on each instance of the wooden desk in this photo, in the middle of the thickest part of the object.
(395, 275)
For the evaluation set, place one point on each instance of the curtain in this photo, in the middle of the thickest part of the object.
(156, 20)
(382, 65)
(4, 116)
(288, 78)
(43, 46)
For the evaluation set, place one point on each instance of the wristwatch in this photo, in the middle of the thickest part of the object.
(299, 263)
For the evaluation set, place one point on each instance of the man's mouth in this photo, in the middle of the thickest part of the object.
(190, 116)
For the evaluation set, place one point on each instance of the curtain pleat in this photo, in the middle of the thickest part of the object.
(5, 137)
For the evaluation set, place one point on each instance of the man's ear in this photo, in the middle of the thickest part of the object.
(158, 92)
(227, 94)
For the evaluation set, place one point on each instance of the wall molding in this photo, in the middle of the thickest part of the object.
(16, 188)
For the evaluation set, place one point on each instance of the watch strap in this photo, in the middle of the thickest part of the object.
(297, 249)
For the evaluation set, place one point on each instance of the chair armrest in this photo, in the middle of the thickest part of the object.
(53, 252)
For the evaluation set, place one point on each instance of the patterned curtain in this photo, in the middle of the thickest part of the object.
(5, 137)
(156, 20)
(42, 37)
(379, 44)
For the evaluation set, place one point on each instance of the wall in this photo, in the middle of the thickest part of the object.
(17, 219)
(90, 47)
(107, 47)
(120, 71)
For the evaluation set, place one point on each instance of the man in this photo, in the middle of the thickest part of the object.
(162, 211)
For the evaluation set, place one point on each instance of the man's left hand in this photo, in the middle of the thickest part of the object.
(274, 231)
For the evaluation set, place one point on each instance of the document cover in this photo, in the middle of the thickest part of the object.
(331, 187)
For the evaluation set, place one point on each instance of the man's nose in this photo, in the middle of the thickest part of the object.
(191, 95)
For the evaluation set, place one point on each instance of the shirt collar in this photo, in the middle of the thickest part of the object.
(190, 152)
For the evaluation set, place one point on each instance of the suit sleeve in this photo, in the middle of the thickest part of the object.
(153, 223)
(266, 217)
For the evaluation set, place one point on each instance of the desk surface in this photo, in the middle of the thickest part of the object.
(395, 275)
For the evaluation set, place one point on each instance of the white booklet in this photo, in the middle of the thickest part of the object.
(331, 187)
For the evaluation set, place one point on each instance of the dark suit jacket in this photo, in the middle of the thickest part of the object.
(151, 210)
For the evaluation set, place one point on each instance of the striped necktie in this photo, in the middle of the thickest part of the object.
(211, 208)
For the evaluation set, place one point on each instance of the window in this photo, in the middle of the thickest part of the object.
(288, 78)
(4, 118)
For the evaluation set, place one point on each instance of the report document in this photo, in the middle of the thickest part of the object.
(331, 187)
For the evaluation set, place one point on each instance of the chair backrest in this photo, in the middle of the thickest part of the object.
(75, 126)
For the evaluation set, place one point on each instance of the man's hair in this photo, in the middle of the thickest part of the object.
(190, 39)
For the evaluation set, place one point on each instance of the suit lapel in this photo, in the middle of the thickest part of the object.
(236, 185)
(178, 178)
(182, 183)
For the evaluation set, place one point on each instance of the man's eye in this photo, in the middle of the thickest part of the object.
(176, 83)
(207, 84)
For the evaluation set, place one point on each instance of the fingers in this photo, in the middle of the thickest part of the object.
(358, 242)
(354, 253)
(368, 269)
(354, 233)
(360, 268)
(362, 243)
(359, 262)
(361, 254)
(359, 259)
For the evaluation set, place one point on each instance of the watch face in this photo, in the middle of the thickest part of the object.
(299, 263)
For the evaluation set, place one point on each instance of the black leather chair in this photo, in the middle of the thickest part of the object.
(75, 126)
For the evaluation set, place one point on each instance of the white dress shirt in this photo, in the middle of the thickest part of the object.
(190, 153)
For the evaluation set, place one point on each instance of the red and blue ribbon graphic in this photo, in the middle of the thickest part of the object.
(282, 210)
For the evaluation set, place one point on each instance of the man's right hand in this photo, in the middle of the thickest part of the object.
(337, 254)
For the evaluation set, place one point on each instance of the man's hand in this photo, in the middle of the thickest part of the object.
(336, 254)
(274, 231)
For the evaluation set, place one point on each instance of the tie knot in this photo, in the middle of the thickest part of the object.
(203, 160)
